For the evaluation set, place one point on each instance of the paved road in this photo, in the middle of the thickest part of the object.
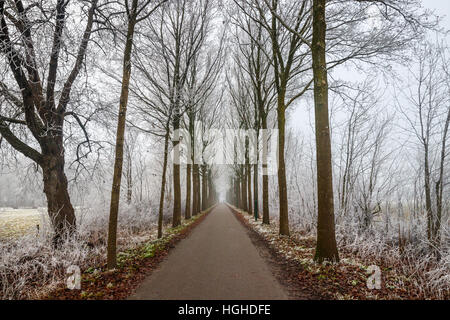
(216, 261)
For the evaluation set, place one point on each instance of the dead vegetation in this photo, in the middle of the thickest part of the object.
(404, 274)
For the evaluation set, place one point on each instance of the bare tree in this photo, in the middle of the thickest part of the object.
(153, 110)
(240, 94)
(326, 248)
(208, 115)
(176, 38)
(36, 108)
(428, 115)
(134, 13)
(289, 54)
(180, 35)
(203, 74)
(253, 42)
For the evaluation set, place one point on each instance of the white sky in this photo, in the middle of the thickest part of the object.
(301, 119)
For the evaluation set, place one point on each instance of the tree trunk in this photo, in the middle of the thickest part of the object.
(326, 248)
(187, 212)
(210, 190)
(265, 178)
(199, 191)
(266, 217)
(248, 175)
(284, 217)
(244, 188)
(204, 188)
(440, 188)
(129, 180)
(120, 136)
(47, 124)
(190, 179)
(196, 189)
(176, 217)
(428, 206)
(60, 209)
(163, 184)
(237, 183)
(255, 190)
(249, 189)
(230, 193)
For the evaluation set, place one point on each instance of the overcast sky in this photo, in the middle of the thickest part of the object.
(301, 119)
(442, 9)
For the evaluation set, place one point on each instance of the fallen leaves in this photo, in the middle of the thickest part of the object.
(134, 264)
(346, 280)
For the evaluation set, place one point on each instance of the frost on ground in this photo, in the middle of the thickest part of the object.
(29, 266)
(407, 270)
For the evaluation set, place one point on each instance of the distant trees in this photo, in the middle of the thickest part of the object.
(362, 32)
(172, 83)
(208, 113)
(361, 159)
(152, 109)
(253, 45)
(427, 113)
(203, 76)
(240, 93)
(181, 34)
(36, 110)
(288, 25)
(281, 50)
(289, 57)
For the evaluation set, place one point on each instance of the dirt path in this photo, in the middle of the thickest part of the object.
(217, 261)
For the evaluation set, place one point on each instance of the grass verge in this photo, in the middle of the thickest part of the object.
(346, 280)
(133, 266)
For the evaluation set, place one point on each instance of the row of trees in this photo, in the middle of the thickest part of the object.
(177, 65)
(285, 49)
(174, 81)
(173, 67)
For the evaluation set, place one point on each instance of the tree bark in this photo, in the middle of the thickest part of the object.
(187, 212)
(60, 210)
(248, 176)
(204, 188)
(439, 187)
(255, 190)
(210, 190)
(120, 137)
(190, 179)
(163, 184)
(282, 189)
(176, 217)
(175, 104)
(129, 179)
(326, 248)
(176, 221)
(428, 206)
(265, 178)
(249, 189)
(237, 184)
(196, 189)
(46, 125)
(244, 189)
(266, 217)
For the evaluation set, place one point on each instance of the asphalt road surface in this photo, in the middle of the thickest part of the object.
(216, 261)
